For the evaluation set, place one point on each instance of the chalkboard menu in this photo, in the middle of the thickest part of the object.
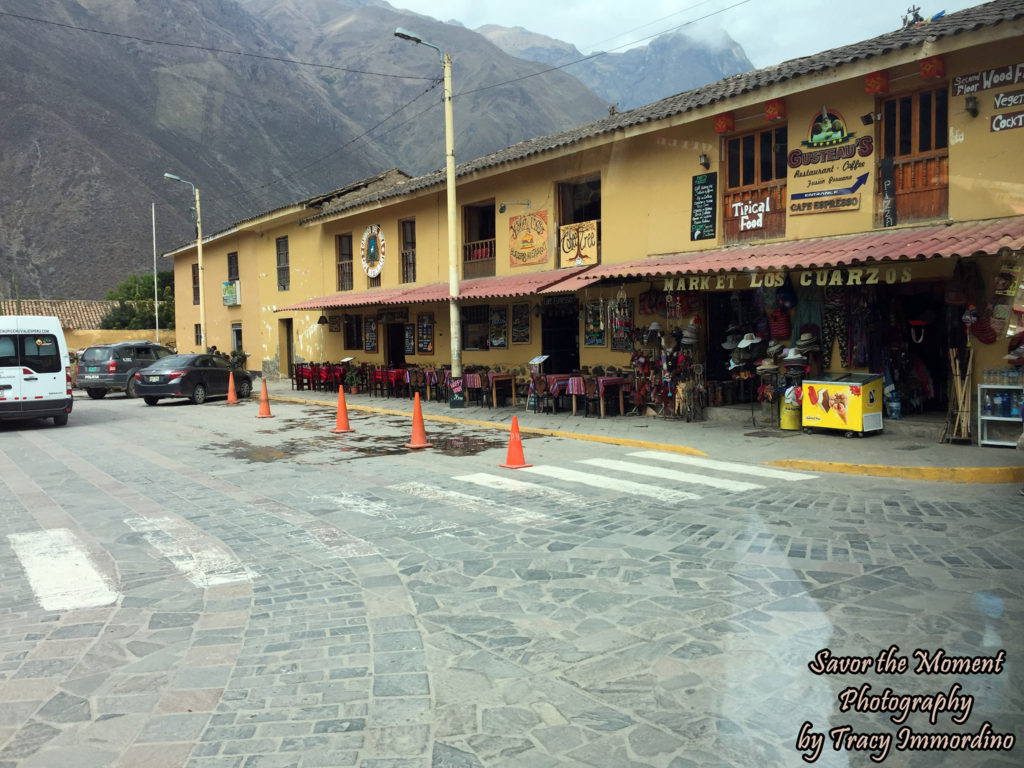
(410, 339)
(370, 334)
(705, 207)
(425, 334)
(521, 323)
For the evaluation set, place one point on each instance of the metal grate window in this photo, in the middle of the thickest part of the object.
(233, 266)
(199, 334)
(408, 251)
(283, 272)
(195, 284)
(344, 247)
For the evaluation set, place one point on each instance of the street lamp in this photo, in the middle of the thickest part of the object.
(458, 396)
(199, 252)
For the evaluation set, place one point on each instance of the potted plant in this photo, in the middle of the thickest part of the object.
(353, 381)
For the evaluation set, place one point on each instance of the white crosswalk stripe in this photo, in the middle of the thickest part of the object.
(611, 483)
(479, 506)
(203, 559)
(663, 473)
(59, 570)
(723, 466)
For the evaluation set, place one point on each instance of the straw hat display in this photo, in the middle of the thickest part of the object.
(794, 359)
(731, 341)
(807, 342)
(748, 340)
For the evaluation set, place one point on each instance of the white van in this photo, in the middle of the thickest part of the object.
(35, 370)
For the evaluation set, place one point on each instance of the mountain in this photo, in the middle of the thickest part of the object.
(669, 64)
(93, 112)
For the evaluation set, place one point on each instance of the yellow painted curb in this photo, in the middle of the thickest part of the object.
(625, 441)
(930, 474)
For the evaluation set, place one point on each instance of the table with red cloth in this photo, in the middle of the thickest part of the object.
(620, 382)
(472, 381)
(575, 386)
(493, 380)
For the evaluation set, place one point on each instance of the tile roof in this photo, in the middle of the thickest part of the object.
(887, 245)
(502, 286)
(74, 314)
(971, 19)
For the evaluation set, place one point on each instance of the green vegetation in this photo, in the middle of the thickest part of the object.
(134, 297)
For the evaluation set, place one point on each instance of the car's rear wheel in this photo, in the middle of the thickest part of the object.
(244, 388)
(96, 393)
(150, 400)
(199, 394)
(129, 390)
(60, 420)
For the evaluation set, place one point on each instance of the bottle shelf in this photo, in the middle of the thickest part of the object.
(985, 420)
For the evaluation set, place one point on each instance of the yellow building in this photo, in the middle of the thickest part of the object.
(869, 198)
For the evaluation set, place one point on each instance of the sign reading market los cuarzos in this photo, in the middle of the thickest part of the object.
(528, 238)
(830, 171)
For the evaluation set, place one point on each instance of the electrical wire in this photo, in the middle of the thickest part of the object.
(214, 50)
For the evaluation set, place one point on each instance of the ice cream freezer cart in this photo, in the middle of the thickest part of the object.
(848, 402)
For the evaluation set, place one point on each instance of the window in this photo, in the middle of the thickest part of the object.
(198, 334)
(478, 240)
(283, 274)
(579, 202)
(195, 283)
(475, 327)
(343, 243)
(145, 353)
(754, 198)
(40, 353)
(8, 351)
(354, 332)
(373, 282)
(914, 172)
(408, 228)
(232, 266)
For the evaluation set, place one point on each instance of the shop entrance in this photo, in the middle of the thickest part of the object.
(560, 335)
(916, 337)
(394, 350)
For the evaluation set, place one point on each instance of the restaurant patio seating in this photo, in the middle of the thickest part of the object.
(544, 401)
(592, 401)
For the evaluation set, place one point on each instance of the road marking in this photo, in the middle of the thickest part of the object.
(203, 559)
(610, 483)
(60, 572)
(724, 466)
(475, 504)
(662, 473)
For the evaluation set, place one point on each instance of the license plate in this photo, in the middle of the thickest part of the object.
(153, 379)
(87, 376)
(92, 368)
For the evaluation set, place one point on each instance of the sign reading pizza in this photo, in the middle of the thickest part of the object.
(371, 250)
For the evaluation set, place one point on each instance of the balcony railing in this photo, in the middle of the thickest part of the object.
(478, 259)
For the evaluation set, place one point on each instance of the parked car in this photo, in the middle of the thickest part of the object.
(196, 377)
(107, 368)
(35, 370)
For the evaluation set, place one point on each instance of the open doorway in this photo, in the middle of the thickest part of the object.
(560, 334)
(285, 348)
(394, 350)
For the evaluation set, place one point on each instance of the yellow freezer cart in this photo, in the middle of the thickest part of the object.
(848, 402)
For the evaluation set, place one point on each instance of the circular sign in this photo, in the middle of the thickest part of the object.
(371, 250)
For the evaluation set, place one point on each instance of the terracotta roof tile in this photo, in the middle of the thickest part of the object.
(74, 315)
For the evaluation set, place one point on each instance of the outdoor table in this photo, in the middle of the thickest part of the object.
(472, 381)
(612, 381)
(576, 386)
(430, 376)
(494, 378)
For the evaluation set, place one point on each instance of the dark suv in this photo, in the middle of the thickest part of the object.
(111, 367)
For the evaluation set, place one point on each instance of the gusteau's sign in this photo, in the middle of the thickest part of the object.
(579, 244)
(528, 238)
(734, 281)
(1011, 74)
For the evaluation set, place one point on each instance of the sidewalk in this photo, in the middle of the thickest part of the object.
(908, 448)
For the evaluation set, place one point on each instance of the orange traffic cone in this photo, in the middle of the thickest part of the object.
(341, 423)
(515, 459)
(264, 404)
(232, 395)
(419, 434)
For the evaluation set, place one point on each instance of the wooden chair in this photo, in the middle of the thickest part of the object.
(592, 401)
(543, 401)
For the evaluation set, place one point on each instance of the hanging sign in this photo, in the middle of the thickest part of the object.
(528, 238)
(579, 244)
(371, 250)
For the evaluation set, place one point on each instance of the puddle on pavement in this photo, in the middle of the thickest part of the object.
(356, 445)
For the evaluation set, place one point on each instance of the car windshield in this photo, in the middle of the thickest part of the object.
(174, 361)
(97, 354)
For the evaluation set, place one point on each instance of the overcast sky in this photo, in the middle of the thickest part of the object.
(770, 31)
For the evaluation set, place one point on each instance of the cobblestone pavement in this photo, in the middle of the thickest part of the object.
(190, 586)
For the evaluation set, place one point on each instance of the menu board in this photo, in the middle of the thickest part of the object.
(425, 333)
(705, 207)
(498, 334)
(622, 326)
(410, 339)
(593, 326)
(521, 323)
(370, 334)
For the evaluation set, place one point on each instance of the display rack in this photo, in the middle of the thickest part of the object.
(984, 420)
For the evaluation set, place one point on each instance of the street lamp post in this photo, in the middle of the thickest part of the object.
(199, 253)
(458, 395)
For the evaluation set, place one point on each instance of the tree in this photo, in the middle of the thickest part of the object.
(134, 297)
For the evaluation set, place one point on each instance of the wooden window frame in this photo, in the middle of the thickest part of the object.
(754, 187)
(283, 269)
(345, 262)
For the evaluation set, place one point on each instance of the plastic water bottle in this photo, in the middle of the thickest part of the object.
(988, 404)
(997, 403)
(1015, 404)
